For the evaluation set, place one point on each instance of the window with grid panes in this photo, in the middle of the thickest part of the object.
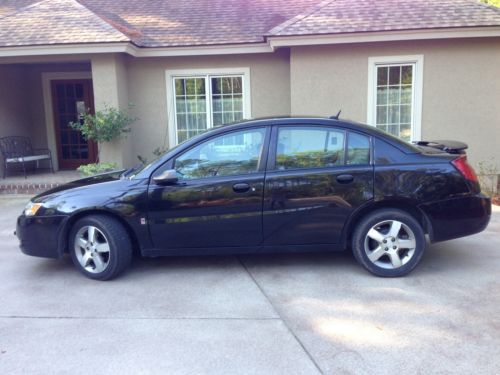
(394, 99)
(206, 101)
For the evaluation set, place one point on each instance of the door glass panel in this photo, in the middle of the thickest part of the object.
(79, 91)
(84, 152)
(236, 153)
(309, 148)
(358, 149)
(70, 91)
(65, 151)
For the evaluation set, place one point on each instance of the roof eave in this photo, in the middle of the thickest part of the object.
(66, 49)
(276, 41)
(133, 50)
(272, 42)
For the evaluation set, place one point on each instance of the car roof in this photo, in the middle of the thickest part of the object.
(302, 120)
(322, 121)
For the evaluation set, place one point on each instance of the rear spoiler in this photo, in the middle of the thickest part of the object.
(451, 147)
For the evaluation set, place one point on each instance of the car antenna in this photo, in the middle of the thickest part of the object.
(336, 117)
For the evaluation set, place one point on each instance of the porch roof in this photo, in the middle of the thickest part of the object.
(188, 23)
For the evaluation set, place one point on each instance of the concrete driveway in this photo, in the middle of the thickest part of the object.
(286, 314)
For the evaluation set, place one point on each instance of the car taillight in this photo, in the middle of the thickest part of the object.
(465, 169)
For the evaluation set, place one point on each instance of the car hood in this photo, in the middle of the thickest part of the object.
(77, 184)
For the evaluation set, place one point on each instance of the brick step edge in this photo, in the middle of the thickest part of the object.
(27, 188)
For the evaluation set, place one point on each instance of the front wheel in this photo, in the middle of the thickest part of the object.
(389, 243)
(100, 247)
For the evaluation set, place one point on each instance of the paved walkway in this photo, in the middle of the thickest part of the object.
(274, 314)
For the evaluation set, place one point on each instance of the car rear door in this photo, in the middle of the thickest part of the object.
(217, 201)
(316, 177)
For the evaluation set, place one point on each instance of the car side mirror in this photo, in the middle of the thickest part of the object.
(168, 177)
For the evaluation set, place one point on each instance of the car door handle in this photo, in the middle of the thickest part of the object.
(241, 187)
(345, 178)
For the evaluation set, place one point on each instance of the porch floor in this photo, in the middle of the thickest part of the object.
(36, 182)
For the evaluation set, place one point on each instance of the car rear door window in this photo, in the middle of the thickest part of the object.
(358, 149)
(309, 147)
(236, 153)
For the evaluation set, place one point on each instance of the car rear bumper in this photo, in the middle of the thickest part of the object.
(41, 236)
(457, 217)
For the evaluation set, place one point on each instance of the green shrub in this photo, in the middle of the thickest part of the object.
(96, 168)
(105, 125)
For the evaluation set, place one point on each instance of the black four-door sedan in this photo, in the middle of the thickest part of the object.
(269, 185)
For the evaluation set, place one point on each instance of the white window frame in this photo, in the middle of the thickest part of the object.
(207, 74)
(418, 62)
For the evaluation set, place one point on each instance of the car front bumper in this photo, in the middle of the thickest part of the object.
(457, 217)
(41, 236)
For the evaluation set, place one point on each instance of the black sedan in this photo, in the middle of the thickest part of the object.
(269, 185)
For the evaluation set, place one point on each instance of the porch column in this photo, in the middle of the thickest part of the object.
(109, 77)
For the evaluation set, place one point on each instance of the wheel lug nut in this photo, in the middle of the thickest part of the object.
(393, 240)
(386, 248)
(394, 247)
(385, 241)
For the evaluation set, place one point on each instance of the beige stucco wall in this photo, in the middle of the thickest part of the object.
(461, 87)
(14, 108)
(110, 82)
(270, 90)
(461, 90)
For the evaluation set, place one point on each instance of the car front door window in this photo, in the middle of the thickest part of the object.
(236, 153)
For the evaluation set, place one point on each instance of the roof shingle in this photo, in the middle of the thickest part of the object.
(56, 22)
(347, 16)
(171, 23)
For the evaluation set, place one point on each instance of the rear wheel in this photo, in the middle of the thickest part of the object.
(100, 247)
(389, 243)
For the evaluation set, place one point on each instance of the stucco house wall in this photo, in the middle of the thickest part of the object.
(461, 87)
(15, 115)
(461, 90)
(147, 90)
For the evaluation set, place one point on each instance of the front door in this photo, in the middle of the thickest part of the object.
(69, 99)
(218, 199)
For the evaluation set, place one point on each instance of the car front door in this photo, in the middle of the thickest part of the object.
(217, 201)
(317, 176)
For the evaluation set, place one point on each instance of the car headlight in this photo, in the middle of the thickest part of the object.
(32, 208)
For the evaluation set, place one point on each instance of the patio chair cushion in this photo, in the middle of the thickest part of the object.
(27, 158)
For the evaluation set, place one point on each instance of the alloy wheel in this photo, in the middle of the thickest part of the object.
(390, 244)
(92, 249)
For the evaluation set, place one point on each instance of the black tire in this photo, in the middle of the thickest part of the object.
(381, 258)
(101, 264)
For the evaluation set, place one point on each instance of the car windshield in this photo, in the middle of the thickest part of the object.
(134, 171)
